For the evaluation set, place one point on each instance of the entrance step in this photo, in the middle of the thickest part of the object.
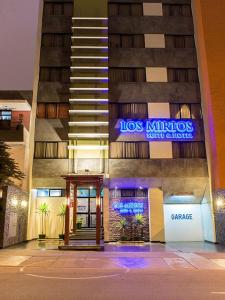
(82, 247)
(86, 234)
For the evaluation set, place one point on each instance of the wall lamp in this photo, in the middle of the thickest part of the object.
(14, 202)
(24, 203)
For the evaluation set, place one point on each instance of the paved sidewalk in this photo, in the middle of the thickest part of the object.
(37, 270)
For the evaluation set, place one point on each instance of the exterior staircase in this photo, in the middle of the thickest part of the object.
(86, 234)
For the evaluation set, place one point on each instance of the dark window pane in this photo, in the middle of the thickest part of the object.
(138, 41)
(113, 9)
(124, 10)
(41, 110)
(126, 41)
(136, 10)
(114, 41)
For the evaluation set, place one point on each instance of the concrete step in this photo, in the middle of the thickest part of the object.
(85, 234)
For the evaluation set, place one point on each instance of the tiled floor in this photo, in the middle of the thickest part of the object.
(197, 247)
(12, 261)
(143, 256)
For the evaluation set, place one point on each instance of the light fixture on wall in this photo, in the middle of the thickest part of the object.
(220, 202)
(182, 197)
(1, 193)
(24, 203)
(91, 187)
(183, 194)
(14, 202)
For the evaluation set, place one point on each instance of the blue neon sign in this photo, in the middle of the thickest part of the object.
(129, 207)
(161, 129)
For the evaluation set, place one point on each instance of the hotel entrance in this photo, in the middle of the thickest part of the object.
(86, 207)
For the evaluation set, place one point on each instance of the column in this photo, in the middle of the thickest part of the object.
(156, 215)
(106, 214)
(98, 213)
(67, 217)
(75, 207)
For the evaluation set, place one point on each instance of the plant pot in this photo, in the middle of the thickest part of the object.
(61, 236)
(79, 225)
(42, 236)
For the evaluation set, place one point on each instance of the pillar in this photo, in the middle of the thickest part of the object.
(156, 215)
(67, 216)
(74, 207)
(98, 213)
(106, 214)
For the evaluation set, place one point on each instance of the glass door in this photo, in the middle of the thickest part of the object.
(86, 207)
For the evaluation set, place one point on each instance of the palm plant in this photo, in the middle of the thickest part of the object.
(43, 210)
(62, 214)
(139, 220)
(9, 169)
(123, 225)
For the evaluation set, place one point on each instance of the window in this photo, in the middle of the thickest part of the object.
(154, 74)
(51, 150)
(55, 74)
(179, 41)
(189, 150)
(128, 110)
(5, 115)
(57, 193)
(127, 74)
(51, 192)
(126, 41)
(83, 193)
(183, 111)
(154, 41)
(182, 75)
(129, 150)
(127, 193)
(177, 10)
(125, 9)
(152, 9)
(57, 9)
(56, 40)
(43, 193)
(53, 110)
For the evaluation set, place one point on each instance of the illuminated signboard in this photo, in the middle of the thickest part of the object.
(129, 207)
(161, 129)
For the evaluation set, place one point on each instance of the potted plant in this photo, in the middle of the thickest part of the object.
(43, 210)
(62, 213)
(79, 223)
(123, 226)
(139, 220)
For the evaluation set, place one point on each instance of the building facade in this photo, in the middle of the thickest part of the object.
(120, 102)
(17, 111)
(15, 132)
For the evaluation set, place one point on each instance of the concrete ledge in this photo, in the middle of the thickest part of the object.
(158, 168)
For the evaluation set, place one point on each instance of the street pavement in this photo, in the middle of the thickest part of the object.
(37, 270)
